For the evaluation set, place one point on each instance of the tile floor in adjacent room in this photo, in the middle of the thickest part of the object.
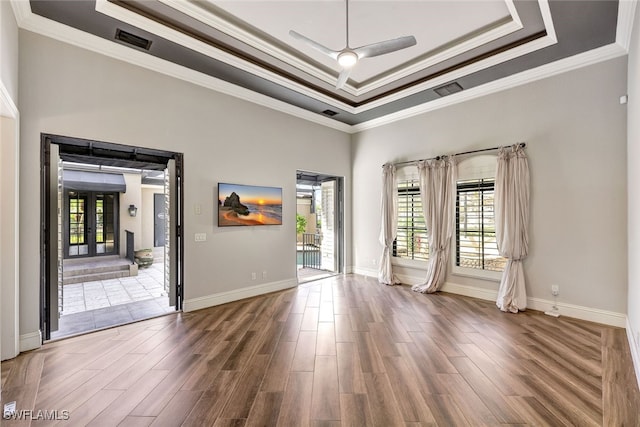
(96, 305)
(148, 284)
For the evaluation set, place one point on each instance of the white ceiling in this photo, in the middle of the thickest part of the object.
(433, 23)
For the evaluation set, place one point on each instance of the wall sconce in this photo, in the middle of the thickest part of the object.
(133, 211)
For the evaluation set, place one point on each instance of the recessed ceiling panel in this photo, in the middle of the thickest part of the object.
(434, 24)
(247, 44)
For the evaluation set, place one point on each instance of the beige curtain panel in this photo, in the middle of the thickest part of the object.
(438, 194)
(512, 224)
(389, 223)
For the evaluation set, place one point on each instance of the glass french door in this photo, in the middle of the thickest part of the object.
(91, 224)
(328, 226)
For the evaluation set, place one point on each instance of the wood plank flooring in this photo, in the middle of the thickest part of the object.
(343, 351)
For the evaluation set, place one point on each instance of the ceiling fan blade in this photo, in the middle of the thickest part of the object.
(387, 46)
(317, 46)
(342, 78)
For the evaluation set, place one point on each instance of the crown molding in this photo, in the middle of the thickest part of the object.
(21, 10)
(584, 59)
(117, 12)
(212, 20)
(626, 15)
(503, 30)
(46, 27)
(460, 72)
(29, 21)
(122, 14)
(548, 40)
(7, 106)
(196, 12)
(432, 60)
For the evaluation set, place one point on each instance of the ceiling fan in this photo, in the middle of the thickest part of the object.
(348, 57)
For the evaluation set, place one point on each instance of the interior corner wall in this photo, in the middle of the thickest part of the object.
(9, 243)
(9, 133)
(575, 130)
(224, 139)
(633, 170)
(8, 50)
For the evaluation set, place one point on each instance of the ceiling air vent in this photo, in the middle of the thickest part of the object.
(132, 39)
(329, 113)
(448, 89)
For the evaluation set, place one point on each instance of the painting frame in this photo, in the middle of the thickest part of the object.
(248, 205)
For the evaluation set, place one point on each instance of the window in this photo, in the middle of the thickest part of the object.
(411, 239)
(76, 219)
(476, 246)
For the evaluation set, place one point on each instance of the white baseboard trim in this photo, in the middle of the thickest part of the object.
(590, 314)
(635, 350)
(365, 272)
(470, 291)
(569, 310)
(235, 295)
(30, 341)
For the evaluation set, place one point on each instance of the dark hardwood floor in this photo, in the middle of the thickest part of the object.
(339, 351)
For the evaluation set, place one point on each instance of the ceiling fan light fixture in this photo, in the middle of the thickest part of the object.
(347, 59)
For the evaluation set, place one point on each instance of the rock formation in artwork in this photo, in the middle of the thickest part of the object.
(233, 202)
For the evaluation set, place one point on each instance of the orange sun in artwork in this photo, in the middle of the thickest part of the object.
(261, 202)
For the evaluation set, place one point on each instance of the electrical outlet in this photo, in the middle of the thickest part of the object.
(555, 290)
(264, 274)
(197, 209)
(253, 276)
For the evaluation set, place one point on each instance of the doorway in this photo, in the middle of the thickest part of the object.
(319, 225)
(102, 265)
(159, 232)
(90, 224)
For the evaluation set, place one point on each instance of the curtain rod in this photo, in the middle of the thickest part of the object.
(408, 162)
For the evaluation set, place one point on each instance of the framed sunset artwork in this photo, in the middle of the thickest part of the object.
(240, 205)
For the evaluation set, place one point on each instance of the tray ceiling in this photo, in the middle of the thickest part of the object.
(461, 45)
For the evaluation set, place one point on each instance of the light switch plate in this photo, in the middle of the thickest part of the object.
(201, 237)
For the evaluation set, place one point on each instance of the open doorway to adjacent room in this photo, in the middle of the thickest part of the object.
(319, 225)
(111, 243)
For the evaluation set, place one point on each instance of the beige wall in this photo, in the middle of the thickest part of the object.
(223, 139)
(147, 214)
(633, 168)
(575, 130)
(9, 243)
(9, 178)
(133, 196)
(9, 50)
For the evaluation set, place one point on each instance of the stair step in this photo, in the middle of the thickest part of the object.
(81, 271)
(85, 260)
(93, 277)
